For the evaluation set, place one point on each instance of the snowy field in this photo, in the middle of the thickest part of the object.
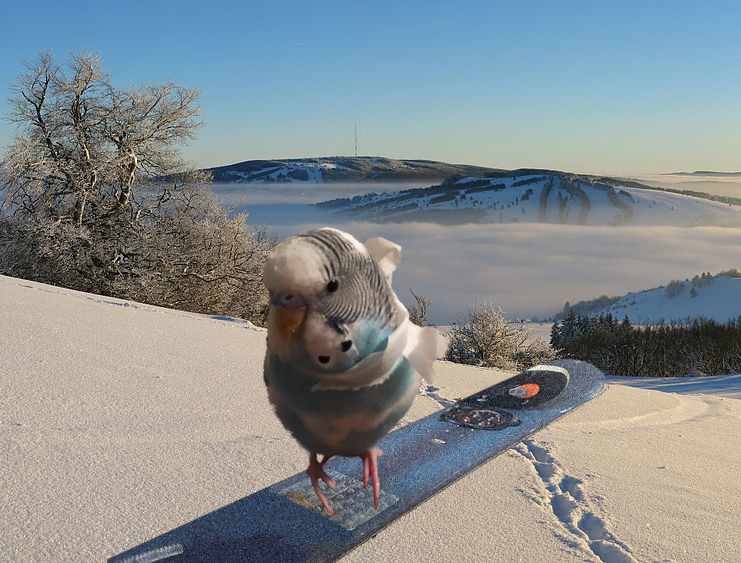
(121, 421)
(720, 385)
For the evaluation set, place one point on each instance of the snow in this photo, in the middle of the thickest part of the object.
(645, 207)
(603, 212)
(719, 300)
(138, 419)
(284, 174)
(686, 210)
(720, 385)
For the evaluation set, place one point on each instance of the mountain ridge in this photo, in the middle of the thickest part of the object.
(541, 196)
(342, 169)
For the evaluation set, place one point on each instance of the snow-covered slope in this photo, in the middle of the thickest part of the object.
(717, 298)
(540, 197)
(344, 169)
(153, 428)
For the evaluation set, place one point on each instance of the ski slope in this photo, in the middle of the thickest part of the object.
(539, 198)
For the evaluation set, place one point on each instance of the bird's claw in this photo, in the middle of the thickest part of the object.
(370, 469)
(370, 473)
(316, 472)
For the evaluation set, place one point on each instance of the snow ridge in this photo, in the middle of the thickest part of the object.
(566, 498)
(712, 297)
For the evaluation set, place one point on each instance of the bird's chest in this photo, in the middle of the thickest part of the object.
(340, 421)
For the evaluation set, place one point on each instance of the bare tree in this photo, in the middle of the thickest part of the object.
(83, 145)
(97, 197)
(418, 312)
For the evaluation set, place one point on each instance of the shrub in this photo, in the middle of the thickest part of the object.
(674, 288)
(189, 255)
(484, 337)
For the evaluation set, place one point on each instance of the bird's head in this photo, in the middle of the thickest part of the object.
(324, 288)
(294, 277)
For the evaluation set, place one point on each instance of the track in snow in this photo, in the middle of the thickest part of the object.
(565, 496)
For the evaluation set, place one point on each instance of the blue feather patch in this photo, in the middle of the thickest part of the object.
(370, 336)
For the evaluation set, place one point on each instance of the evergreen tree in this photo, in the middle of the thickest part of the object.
(556, 336)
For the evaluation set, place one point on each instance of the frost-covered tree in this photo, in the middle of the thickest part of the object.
(566, 311)
(98, 198)
(483, 336)
(418, 312)
(83, 146)
(569, 329)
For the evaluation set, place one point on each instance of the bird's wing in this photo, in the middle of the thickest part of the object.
(424, 346)
(386, 253)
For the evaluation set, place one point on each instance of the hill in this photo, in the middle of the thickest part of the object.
(717, 297)
(541, 196)
(342, 169)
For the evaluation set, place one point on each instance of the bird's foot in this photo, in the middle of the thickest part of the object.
(370, 469)
(316, 472)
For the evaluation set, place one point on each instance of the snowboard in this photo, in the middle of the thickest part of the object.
(286, 522)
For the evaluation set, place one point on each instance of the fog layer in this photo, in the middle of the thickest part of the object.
(528, 270)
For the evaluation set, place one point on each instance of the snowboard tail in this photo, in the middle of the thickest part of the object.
(286, 521)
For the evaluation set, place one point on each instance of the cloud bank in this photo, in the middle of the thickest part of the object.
(532, 270)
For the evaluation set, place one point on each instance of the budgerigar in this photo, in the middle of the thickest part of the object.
(343, 361)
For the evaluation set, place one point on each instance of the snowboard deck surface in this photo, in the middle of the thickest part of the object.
(286, 522)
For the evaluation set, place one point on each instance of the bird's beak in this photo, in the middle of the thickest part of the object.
(290, 310)
(288, 320)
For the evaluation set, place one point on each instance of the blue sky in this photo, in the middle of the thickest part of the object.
(585, 86)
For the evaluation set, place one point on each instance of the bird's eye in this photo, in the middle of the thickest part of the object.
(332, 286)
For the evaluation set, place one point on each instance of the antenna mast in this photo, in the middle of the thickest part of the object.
(356, 139)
